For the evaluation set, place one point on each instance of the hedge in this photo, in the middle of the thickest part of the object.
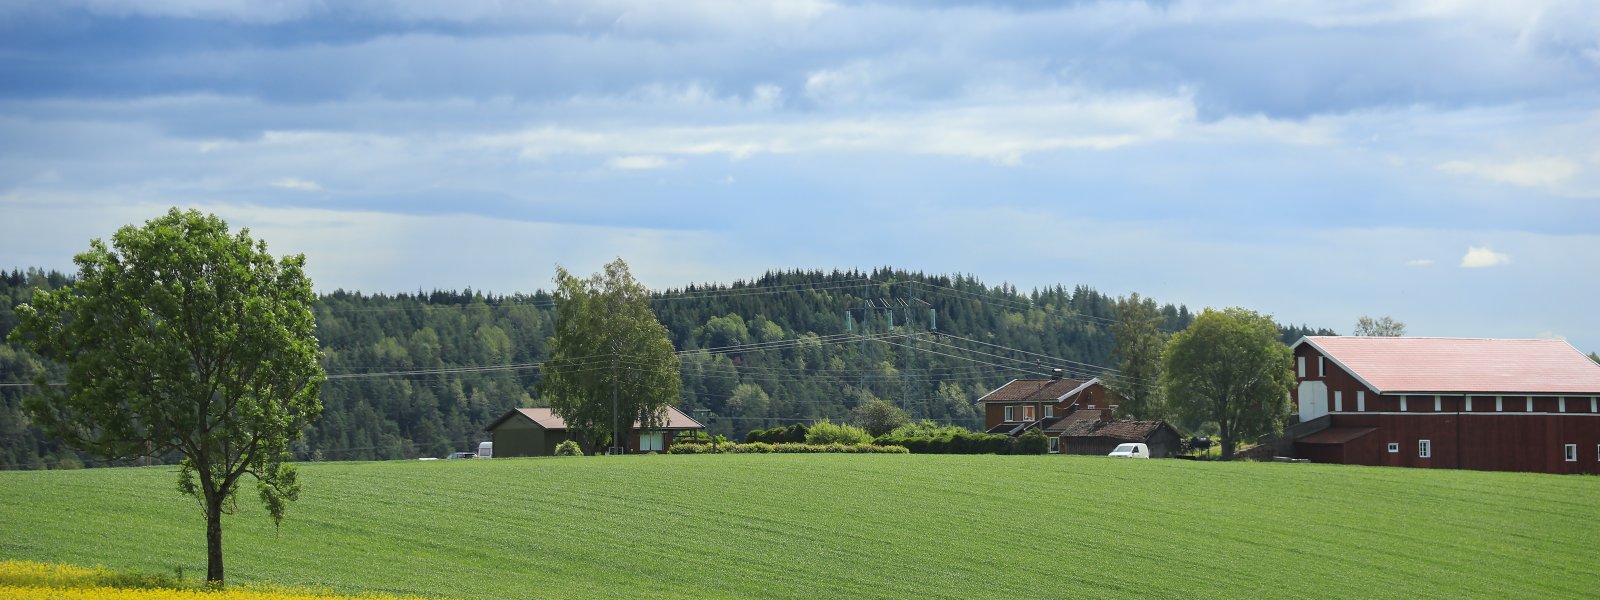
(955, 443)
(784, 448)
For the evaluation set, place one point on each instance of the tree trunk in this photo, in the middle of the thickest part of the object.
(1227, 441)
(214, 540)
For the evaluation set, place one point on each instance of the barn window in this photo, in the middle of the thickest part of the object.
(1469, 403)
(1403, 403)
(1563, 404)
(1394, 447)
(1302, 367)
(1424, 449)
(1499, 404)
(1008, 414)
(1361, 405)
(1338, 402)
(1530, 404)
(1438, 404)
(1055, 444)
(1572, 453)
(1320, 371)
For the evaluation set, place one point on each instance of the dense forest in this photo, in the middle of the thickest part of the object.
(422, 374)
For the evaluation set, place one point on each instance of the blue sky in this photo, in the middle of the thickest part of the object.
(1435, 161)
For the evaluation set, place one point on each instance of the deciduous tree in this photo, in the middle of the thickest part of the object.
(611, 362)
(879, 417)
(1229, 367)
(181, 337)
(1379, 327)
(1139, 342)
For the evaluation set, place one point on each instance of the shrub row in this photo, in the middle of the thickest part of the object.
(784, 448)
(793, 434)
(954, 443)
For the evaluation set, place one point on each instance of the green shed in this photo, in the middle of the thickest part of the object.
(537, 431)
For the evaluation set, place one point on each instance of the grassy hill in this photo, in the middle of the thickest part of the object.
(837, 525)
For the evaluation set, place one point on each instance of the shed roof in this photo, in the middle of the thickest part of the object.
(548, 419)
(1037, 390)
(1436, 365)
(1131, 431)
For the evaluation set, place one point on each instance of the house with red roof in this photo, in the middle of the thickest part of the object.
(1075, 415)
(1485, 404)
(537, 431)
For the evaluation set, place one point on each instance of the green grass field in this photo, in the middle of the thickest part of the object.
(844, 525)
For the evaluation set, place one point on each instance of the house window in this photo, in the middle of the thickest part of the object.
(1338, 402)
(1055, 444)
(1027, 413)
(651, 441)
(1320, 372)
(1424, 449)
(1301, 370)
(1049, 411)
(1572, 453)
(1394, 447)
(1361, 403)
(1009, 413)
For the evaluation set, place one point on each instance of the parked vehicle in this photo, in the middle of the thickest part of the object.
(1131, 451)
(486, 450)
(456, 455)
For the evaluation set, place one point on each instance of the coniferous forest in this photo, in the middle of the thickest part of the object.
(421, 374)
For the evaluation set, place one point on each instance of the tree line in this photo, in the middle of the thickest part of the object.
(421, 374)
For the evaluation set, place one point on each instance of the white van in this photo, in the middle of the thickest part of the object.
(486, 450)
(1131, 451)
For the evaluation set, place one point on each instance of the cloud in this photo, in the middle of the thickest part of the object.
(1547, 171)
(1483, 257)
(637, 163)
(291, 183)
(1419, 262)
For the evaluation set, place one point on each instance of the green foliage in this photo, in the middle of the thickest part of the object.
(1140, 340)
(785, 448)
(611, 363)
(1379, 327)
(1229, 367)
(180, 337)
(1032, 441)
(1167, 517)
(927, 428)
(964, 442)
(792, 434)
(879, 417)
(828, 432)
(568, 448)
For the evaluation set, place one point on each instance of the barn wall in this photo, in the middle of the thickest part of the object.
(1477, 440)
(518, 436)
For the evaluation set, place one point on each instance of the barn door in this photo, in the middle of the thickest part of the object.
(1313, 400)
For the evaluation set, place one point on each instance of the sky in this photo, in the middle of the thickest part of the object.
(1435, 161)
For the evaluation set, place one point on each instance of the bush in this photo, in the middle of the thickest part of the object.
(786, 448)
(828, 432)
(880, 417)
(1033, 441)
(964, 442)
(928, 429)
(778, 435)
(568, 448)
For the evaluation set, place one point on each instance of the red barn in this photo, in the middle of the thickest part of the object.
(1494, 405)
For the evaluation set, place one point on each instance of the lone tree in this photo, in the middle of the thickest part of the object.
(1229, 367)
(1140, 341)
(1379, 327)
(611, 362)
(879, 417)
(183, 338)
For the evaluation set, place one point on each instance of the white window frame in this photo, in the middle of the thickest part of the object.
(1394, 447)
(1302, 368)
(656, 435)
(1055, 445)
(1008, 411)
(1571, 451)
(1338, 401)
(1361, 401)
(1424, 448)
(1027, 412)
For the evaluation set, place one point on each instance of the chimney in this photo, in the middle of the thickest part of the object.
(1055, 374)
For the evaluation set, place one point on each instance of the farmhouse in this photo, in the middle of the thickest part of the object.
(1074, 415)
(1485, 404)
(537, 431)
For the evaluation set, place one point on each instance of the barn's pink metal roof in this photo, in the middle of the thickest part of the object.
(1438, 365)
(548, 419)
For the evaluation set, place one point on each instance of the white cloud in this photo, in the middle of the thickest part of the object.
(637, 163)
(1419, 262)
(1482, 257)
(1546, 171)
(292, 183)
